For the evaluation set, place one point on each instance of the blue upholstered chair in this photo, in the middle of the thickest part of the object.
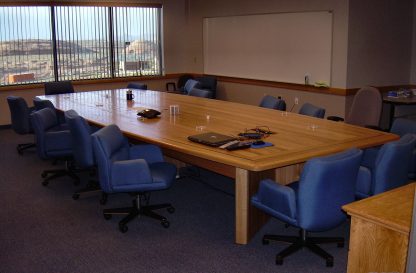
(82, 151)
(41, 104)
(189, 85)
(61, 87)
(312, 204)
(171, 86)
(312, 110)
(20, 117)
(131, 169)
(196, 92)
(53, 142)
(385, 168)
(208, 83)
(402, 126)
(137, 85)
(273, 103)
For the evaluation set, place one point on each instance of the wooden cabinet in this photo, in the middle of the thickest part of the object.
(380, 227)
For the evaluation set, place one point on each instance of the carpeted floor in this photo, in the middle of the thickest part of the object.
(42, 229)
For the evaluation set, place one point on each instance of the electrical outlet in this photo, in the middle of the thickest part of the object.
(296, 100)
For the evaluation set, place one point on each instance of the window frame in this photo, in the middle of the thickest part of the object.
(114, 77)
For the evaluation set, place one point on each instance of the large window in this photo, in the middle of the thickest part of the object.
(40, 44)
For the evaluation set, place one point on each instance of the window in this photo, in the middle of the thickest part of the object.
(42, 43)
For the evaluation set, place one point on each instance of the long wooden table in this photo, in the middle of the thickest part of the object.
(297, 139)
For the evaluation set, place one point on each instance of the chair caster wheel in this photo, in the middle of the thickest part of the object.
(329, 262)
(123, 228)
(43, 174)
(45, 183)
(279, 260)
(265, 241)
(107, 216)
(165, 223)
(171, 209)
(340, 245)
(75, 196)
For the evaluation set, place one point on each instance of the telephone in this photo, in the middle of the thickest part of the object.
(148, 113)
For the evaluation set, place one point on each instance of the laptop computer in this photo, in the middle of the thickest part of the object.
(211, 139)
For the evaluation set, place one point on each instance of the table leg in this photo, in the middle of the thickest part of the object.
(248, 219)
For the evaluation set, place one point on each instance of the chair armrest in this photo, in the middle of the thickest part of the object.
(279, 198)
(150, 153)
(128, 173)
(335, 118)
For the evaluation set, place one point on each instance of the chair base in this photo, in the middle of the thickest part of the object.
(301, 241)
(52, 174)
(21, 147)
(92, 187)
(137, 210)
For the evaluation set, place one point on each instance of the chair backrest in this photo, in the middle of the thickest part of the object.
(273, 103)
(20, 115)
(183, 79)
(109, 145)
(81, 139)
(208, 83)
(312, 110)
(61, 87)
(196, 92)
(189, 85)
(137, 85)
(40, 104)
(391, 166)
(326, 184)
(366, 107)
(42, 121)
(402, 126)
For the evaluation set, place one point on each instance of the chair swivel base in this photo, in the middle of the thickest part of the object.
(24, 146)
(133, 212)
(52, 174)
(92, 187)
(298, 242)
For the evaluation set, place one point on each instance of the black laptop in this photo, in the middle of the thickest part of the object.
(211, 139)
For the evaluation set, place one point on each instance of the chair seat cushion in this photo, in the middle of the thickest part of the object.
(276, 200)
(363, 188)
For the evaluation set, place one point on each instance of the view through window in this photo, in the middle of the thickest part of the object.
(41, 44)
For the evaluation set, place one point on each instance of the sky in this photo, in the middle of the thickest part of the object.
(75, 23)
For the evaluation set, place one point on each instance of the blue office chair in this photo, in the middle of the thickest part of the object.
(61, 87)
(312, 110)
(41, 104)
(171, 86)
(20, 117)
(314, 203)
(196, 92)
(137, 85)
(385, 168)
(82, 151)
(273, 103)
(208, 83)
(53, 142)
(402, 126)
(189, 85)
(131, 169)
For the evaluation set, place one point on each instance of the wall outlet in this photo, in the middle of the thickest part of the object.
(296, 100)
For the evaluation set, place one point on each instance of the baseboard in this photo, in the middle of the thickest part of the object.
(6, 126)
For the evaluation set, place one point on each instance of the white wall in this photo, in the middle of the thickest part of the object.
(379, 42)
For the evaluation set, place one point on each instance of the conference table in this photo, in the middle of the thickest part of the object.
(296, 138)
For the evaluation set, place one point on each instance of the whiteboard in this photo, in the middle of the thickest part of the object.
(282, 47)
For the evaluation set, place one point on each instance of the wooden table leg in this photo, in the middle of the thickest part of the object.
(248, 219)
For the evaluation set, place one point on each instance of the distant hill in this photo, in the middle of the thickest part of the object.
(38, 47)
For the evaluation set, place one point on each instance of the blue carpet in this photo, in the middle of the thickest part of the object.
(42, 229)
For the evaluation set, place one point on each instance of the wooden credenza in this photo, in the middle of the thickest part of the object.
(380, 228)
